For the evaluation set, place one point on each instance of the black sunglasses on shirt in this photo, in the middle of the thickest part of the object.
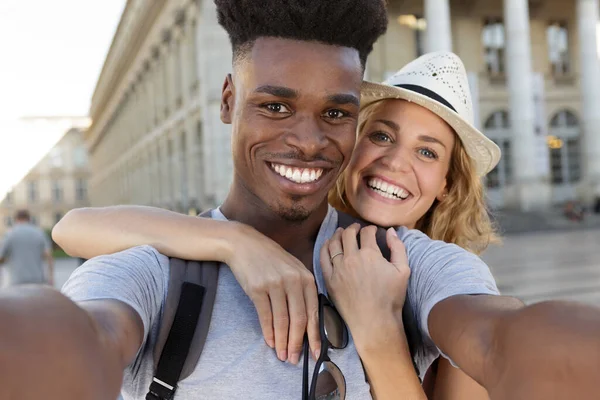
(328, 382)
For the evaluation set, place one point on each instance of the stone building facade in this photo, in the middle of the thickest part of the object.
(156, 136)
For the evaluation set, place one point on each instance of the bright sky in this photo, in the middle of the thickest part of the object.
(51, 56)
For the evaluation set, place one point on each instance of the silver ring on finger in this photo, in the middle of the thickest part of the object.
(340, 253)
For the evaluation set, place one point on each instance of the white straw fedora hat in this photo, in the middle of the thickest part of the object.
(438, 82)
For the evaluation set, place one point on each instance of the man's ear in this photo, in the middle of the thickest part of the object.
(227, 100)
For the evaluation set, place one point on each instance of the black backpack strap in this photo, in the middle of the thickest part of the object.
(184, 324)
(178, 343)
(411, 328)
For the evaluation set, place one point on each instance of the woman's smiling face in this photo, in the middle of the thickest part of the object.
(400, 163)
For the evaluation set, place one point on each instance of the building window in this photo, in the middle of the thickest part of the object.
(57, 191)
(565, 148)
(494, 45)
(57, 217)
(34, 220)
(32, 191)
(558, 48)
(81, 189)
(80, 157)
(8, 221)
(497, 128)
(419, 26)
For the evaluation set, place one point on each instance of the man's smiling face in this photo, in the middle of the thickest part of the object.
(294, 109)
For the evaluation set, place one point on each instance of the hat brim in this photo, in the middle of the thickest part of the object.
(482, 150)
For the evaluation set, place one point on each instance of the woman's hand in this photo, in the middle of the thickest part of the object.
(364, 286)
(369, 293)
(282, 289)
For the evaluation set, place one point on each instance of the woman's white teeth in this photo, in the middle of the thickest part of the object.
(387, 189)
(298, 175)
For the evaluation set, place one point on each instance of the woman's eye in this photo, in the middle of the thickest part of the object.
(428, 153)
(335, 114)
(277, 108)
(380, 137)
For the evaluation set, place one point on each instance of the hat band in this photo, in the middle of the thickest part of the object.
(426, 92)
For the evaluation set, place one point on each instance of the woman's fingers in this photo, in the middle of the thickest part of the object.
(349, 239)
(336, 249)
(398, 251)
(368, 238)
(281, 321)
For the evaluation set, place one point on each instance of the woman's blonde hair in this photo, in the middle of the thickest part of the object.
(461, 218)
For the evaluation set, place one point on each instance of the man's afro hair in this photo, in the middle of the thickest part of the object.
(349, 23)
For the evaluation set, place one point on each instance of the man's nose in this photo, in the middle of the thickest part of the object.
(308, 137)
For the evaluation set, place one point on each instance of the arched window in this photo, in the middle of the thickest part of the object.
(565, 150)
(497, 128)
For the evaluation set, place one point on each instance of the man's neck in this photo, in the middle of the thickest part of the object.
(297, 238)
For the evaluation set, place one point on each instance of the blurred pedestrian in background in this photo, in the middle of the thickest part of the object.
(26, 251)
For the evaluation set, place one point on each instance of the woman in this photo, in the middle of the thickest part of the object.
(417, 164)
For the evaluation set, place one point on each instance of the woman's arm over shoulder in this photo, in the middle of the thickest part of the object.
(90, 232)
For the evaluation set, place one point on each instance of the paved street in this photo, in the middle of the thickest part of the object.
(63, 267)
(543, 266)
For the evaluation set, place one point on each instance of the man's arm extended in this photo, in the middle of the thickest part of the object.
(546, 350)
(51, 347)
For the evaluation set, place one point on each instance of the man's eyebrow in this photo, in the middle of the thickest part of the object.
(344, 99)
(278, 91)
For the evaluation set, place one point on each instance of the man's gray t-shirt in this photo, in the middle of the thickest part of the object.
(236, 362)
(23, 249)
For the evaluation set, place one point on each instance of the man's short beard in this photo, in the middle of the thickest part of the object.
(295, 214)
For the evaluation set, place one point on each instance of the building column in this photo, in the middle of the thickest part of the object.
(214, 61)
(184, 62)
(163, 170)
(587, 20)
(176, 174)
(438, 35)
(532, 192)
(192, 166)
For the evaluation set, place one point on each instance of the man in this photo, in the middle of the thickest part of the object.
(292, 100)
(27, 252)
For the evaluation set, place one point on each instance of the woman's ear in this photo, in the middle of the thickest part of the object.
(443, 193)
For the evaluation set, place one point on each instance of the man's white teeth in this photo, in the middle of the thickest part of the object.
(298, 175)
(387, 189)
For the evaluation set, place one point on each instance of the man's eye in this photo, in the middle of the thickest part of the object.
(277, 108)
(335, 114)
